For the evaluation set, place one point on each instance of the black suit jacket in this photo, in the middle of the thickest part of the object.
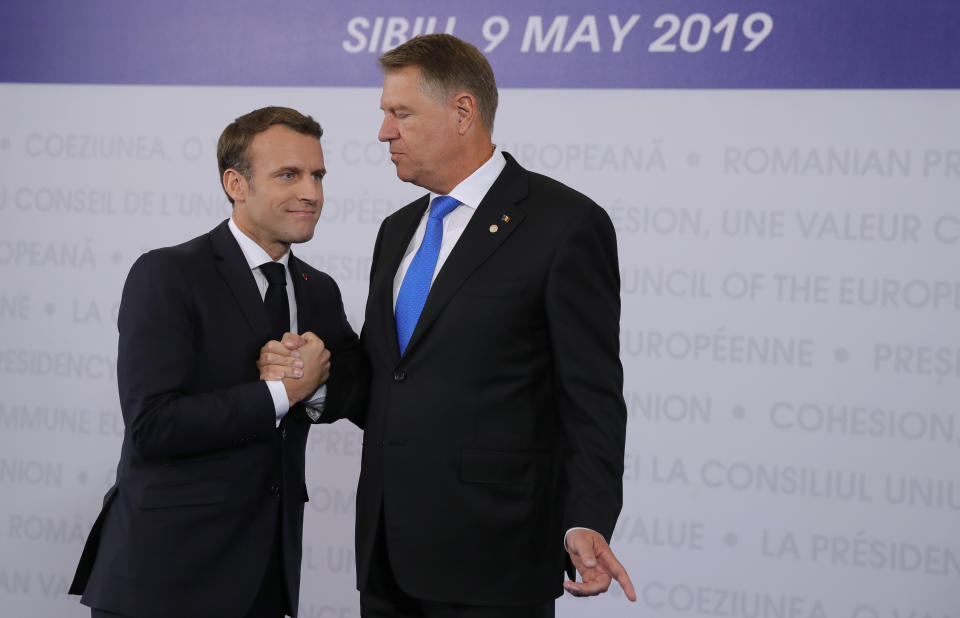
(503, 423)
(204, 472)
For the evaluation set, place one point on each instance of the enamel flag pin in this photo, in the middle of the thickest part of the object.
(495, 228)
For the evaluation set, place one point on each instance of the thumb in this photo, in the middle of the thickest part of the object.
(292, 341)
(581, 545)
(310, 337)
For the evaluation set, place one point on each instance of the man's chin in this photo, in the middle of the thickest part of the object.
(404, 174)
(300, 236)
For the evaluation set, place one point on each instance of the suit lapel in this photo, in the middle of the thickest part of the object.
(317, 311)
(476, 244)
(235, 271)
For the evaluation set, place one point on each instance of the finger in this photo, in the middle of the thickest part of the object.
(573, 588)
(278, 372)
(274, 375)
(588, 588)
(311, 338)
(269, 358)
(598, 584)
(279, 348)
(616, 570)
(292, 341)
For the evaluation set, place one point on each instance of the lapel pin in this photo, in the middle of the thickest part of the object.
(304, 275)
(505, 218)
(494, 228)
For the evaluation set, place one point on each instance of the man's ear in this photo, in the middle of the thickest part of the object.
(467, 112)
(235, 185)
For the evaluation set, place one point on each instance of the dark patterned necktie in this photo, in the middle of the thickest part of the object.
(278, 307)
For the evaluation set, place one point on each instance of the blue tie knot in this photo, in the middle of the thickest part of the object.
(441, 206)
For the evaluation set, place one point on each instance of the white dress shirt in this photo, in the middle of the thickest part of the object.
(255, 256)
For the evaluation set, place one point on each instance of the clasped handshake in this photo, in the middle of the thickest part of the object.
(301, 362)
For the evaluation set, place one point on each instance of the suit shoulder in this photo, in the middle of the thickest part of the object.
(542, 186)
(176, 258)
(558, 202)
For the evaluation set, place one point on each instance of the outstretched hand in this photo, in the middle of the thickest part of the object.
(597, 565)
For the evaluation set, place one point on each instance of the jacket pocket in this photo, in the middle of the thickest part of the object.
(183, 494)
(481, 466)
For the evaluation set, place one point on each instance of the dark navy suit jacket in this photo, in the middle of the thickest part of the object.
(503, 423)
(204, 472)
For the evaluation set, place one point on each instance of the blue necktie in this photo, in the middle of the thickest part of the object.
(416, 283)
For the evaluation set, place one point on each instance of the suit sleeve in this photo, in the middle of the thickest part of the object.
(363, 363)
(349, 379)
(583, 311)
(157, 360)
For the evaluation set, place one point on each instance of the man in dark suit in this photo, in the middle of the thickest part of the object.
(496, 419)
(494, 435)
(206, 515)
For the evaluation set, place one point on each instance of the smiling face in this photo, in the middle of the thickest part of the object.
(421, 130)
(281, 202)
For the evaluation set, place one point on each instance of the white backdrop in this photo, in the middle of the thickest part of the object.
(789, 332)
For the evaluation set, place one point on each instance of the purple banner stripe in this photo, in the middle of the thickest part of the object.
(610, 44)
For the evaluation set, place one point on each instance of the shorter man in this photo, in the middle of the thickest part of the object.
(206, 515)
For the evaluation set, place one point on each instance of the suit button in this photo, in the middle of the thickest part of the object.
(399, 376)
(275, 491)
(283, 432)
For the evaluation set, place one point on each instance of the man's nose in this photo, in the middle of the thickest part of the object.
(388, 130)
(311, 190)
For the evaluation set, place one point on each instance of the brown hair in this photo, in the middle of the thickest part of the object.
(235, 139)
(446, 65)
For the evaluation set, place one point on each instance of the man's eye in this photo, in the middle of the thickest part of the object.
(287, 175)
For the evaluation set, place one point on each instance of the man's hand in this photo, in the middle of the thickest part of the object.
(596, 564)
(316, 369)
(302, 362)
(281, 359)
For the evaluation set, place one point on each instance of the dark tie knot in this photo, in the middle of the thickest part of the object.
(274, 272)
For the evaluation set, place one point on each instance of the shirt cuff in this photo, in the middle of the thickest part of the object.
(281, 404)
(316, 403)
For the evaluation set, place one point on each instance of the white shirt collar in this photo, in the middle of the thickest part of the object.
(252, 252)
(472, 189)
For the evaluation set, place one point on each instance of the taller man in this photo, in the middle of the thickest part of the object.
(495, 429)
(206, 515)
